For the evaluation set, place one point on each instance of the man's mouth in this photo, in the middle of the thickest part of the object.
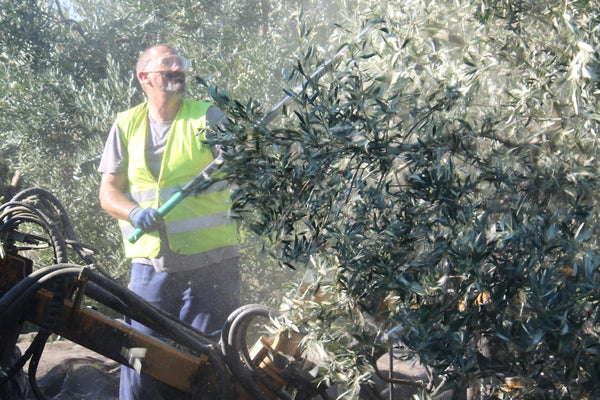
(176, 76)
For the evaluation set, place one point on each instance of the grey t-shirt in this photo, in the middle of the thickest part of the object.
(115, 158)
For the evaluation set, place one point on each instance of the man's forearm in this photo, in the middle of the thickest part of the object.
(112, 196)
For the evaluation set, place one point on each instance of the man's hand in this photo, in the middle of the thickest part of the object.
(146, 219)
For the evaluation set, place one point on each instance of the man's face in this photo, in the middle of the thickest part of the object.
(166, 70)
(172, 82)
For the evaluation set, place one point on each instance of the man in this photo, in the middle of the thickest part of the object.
(186, 264)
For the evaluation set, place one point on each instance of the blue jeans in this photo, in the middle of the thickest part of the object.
(203, 298)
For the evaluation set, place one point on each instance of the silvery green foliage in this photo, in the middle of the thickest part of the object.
(441, 183)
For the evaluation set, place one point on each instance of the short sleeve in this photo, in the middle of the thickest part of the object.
(114, 157)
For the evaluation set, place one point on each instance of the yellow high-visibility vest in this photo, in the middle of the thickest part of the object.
(198, 224)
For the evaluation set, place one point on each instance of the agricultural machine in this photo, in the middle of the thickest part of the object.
(52, 299)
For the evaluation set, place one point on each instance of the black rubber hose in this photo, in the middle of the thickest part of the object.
(237, 331)
(59, 293)
(20, 363)
(53, 214)
(155, 319)
(33, 352)
(233, 344)
(145, 309)
(235, 348)
(41, 338)
(24, 296)
(16, 296)
(104, 297)
(49, 202)
(27, 287)
(227, 325)
(11, 224)
(36, 216)
(14, 214)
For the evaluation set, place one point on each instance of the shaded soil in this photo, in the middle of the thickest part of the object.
(69, 371)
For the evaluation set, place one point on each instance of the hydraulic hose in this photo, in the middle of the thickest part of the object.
(16, 295)
(136, 306)
(21, 296)
(235, 348)
(229, 345)
(50, 206)
(40, 207)
(14, 214)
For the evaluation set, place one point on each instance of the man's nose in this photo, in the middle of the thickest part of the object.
(177, 67)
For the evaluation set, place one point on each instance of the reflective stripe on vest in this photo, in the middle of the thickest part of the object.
(198, 223)
(149, 195)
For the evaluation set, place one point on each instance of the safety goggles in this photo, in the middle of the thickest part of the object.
(167, 63)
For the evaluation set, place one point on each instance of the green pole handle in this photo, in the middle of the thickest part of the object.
(162, 211)
(202, 178)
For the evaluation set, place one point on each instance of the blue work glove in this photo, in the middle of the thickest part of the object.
(147, 219)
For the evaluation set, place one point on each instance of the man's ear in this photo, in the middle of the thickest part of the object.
(143, 77)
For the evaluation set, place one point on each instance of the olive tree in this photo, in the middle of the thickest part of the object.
(440, 183)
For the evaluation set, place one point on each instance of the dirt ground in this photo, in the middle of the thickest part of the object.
(68, 371)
